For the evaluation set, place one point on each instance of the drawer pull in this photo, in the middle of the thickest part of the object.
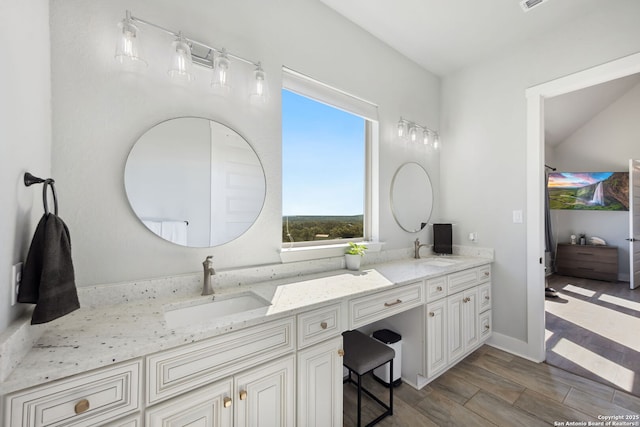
(487, 327)
(323, 325)
(585, 253)
(487, 297)
(486, 273)
(467, 299)
(243, 394)
(82, 406)
(431, 314)
(226, 402)
(341, 352)
(439, 288)
(389, 304)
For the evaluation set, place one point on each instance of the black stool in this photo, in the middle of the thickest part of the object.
(363, 354)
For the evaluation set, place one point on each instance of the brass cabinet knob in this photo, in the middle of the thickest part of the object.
(487, 297)
(431, 314)
(323, 325)
(226, 402)
(439, 288)
(341, 352)
(81, 406)
(243, 394)
(487, 327)
(486, 273)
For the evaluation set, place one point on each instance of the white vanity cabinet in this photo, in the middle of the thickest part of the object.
(234, 379)
(319, 390)
(263, 395)
(90, 399)
(457, 317)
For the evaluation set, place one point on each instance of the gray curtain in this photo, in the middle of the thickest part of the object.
(549, 244)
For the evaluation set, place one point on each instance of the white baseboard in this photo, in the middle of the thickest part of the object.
(512, 345)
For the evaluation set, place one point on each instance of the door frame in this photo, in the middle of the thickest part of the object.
(535, 183)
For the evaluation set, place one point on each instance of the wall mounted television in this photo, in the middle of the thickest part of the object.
(602, 191)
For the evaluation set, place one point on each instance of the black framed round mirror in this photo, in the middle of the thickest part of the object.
(195, 182)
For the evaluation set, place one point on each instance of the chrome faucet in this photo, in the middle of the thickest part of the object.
(207, 289)
(417, 246)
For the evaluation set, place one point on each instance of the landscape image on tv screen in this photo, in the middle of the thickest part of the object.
(603, 191)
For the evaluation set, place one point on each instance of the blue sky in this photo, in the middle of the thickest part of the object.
(322, 159)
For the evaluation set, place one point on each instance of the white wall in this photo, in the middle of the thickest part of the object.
(99, 112)
(483, 159)
(25, 132)
(605, 143)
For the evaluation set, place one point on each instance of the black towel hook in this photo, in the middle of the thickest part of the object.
(29, 180)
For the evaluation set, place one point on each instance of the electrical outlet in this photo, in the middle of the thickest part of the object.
(16, 278)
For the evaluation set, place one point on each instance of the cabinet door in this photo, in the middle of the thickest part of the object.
(320, 385)
(210, 406)
(455, 325)
(436, 337)
(265, 395)
(471, 331)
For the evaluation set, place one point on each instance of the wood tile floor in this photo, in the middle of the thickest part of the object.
(593, 330)
(494, 388)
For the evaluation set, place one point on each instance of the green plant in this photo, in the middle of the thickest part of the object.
(356, 249)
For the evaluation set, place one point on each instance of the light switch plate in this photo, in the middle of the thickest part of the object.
(16, 278)
(517, 217)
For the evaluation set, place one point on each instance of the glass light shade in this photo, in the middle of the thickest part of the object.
(181, 67)
(401, 129)
(221, 81)
(413, 133)
(127, 52)
(425, 137)
(436, 140)
(259, 90)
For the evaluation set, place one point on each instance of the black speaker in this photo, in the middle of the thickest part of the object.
(442, 239)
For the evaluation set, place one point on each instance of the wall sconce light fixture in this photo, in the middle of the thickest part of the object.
(185, 53)
(429, 136)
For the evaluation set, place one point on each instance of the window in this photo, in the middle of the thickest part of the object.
(324, 165)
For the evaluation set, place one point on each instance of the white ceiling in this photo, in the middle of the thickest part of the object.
(565, 114)
(445, 35)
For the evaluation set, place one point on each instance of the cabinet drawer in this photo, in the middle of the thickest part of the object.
(485, 325)
(318, 325)
(484, 273)
(182, 369)
(86, 399)
(484, 297)
(368, 309)
(463, 280)
(436, 288)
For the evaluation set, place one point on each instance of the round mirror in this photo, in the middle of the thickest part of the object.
(411, 197)
(194, 182)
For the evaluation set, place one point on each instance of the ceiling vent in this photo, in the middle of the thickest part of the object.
(527, 5)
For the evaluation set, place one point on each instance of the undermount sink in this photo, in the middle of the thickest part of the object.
(439, 262)
(239, 307)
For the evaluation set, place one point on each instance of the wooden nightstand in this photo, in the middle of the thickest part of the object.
(588, 261)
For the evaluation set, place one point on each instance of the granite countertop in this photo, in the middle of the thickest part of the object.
(98, 336)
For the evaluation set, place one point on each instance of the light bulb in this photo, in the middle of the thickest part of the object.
(425, 137)
(181, 67)
(221, 81)
(127, 45)
(436, 140)
(401, 128)
(259, 90)
(413, 133)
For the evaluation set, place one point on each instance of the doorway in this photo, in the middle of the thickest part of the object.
(535, 184)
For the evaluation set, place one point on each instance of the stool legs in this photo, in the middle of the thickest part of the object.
(358, 383)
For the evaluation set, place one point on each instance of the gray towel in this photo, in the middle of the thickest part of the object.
(48, 279)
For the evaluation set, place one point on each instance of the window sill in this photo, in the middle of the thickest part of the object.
(306, 253)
